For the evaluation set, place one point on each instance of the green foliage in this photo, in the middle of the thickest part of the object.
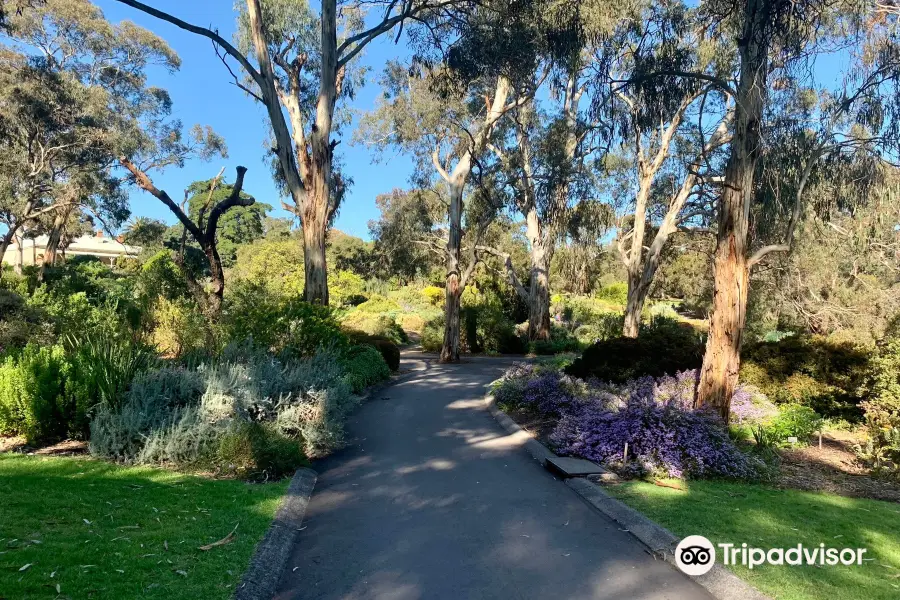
(379, 304)
(882, 407)
(179, 416)
(275, 264)
(33, 402)
(21, 322)
(178, 327)
(382, 325)
(365, 366)
(346, 288)
(103, 368)
(434, 295)
(433, 335)
(617, 293)
(257, 451)
(663, 347)
(561, 340)
(811, 370)
(794, 420)
(281, 324)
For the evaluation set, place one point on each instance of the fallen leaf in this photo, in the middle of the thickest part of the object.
(225, 540)
(25, 568)
(86, 522)
(182, 573)
(57, 589)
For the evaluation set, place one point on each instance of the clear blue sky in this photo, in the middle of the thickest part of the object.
(203, 92)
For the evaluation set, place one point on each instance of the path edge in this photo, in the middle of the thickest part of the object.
(720, 582)
(270, 559)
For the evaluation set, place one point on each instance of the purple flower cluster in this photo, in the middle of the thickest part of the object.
(654, 416)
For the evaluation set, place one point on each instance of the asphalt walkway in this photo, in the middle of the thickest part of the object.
(432, 499)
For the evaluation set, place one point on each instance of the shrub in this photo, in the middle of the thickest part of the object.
(616, 293)
(379, 304)
(365, 366)
(653, 415)
(33, 402)
(811, 370)
(662, 439)
(103, 367)
(433, 335)
(382, 325)
(21, 323)
(178, 327)
(280, 324)
(346, 288)
(434, 295)
(412, 322)
(257, 451)
(206, 417)
(664, 346)
(794, 420)
(882, 407)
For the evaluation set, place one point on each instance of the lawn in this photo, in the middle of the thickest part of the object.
(771, 518)
(80, 528)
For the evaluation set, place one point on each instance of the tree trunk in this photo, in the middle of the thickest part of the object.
(217, 280)
(539, 288)
(450, 347)
(315, 288)
(5, 242)
(53, 240)
(637, 295)
(722, 360)
(17, 267)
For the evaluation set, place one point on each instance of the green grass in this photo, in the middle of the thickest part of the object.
(103, 531)
(770, 518)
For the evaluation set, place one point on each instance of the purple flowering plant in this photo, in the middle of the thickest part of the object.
(653, 415)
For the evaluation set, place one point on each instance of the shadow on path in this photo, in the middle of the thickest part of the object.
(432, 499)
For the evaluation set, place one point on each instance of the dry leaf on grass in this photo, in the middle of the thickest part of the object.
(225, 540)
(25, 568)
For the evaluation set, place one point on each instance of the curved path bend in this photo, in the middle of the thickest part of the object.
(432, 499)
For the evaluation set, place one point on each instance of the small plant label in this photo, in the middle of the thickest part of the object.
(792, 440)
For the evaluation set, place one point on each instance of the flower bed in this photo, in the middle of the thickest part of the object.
(654, 416)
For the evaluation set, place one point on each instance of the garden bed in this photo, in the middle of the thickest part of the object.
(80, 528)
(767, 517)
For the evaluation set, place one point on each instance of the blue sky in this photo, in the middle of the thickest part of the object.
(203, 92)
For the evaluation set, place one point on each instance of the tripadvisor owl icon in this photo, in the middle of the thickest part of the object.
(695, 555)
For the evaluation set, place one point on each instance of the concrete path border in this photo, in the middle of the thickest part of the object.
(720, 582)
(260, 581)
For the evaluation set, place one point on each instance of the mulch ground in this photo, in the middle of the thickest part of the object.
(64, 448)
(834, 468)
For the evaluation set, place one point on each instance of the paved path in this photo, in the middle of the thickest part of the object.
(434, 500)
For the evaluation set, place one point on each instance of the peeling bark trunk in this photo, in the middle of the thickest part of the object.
(539, 287)
(315, 288)
(450, 347)
(721, 362)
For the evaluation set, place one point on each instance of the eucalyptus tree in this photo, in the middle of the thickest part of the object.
(670, 134)
(73, 93)
(777, 40)
(550, 142)
(293, 69)
(446, 129)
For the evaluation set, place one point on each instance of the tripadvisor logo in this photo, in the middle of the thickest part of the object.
(695, 555)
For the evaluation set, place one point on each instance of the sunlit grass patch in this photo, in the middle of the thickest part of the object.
(766, 518)
(97, 530)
